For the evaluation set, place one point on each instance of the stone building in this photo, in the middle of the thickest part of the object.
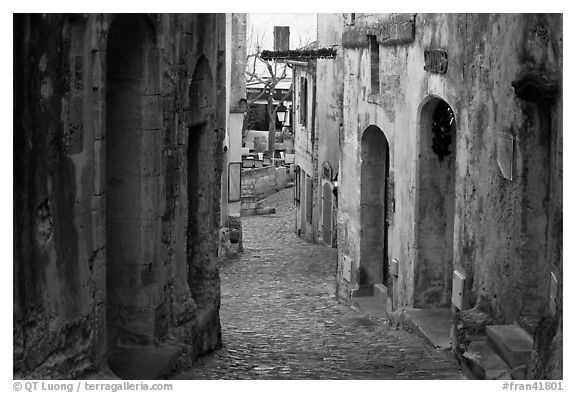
(305, 144)
(318, 88)
(231, 236)
(119, 125)
(450, 183)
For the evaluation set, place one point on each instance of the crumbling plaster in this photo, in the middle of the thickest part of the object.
(477, 86)
(59, 194)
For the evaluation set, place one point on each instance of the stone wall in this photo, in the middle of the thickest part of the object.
(118, 129)
(506, 232)
(306, 148)
(259, 183)
(330, 90)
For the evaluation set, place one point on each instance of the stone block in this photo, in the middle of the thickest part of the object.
(123, 281)
(151, 114)
(99, 166)
(511, 343)
(264, 210)
(74, 131)
(125, 195)
(98, 66)
(149, 240)
(123, 238)
(354, 38)
(381, 292)
(99, 119)
(136, 325)
(397, 33)
(483, 362)
(235, 235)
(98, 222)
(434, 325)
(98, 268)
(149, 197)
(153, 75)
(347, 268)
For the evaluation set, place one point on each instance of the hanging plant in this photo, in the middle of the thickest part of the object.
(442, 122)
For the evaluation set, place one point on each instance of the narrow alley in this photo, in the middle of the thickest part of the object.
(281, 320)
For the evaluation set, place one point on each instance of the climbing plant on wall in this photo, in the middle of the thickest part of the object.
(442, 122)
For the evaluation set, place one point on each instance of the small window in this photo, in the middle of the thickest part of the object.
(374, 65)
(350, 19)
(303, 100)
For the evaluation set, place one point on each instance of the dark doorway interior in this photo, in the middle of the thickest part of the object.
(132, 220)
(374, 234)
(435, 206)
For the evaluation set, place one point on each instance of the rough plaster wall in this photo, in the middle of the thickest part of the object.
(262, 182)
(492, 209)
(485, 108)
(303, 146)
(186, 103)
(491, 235)
(329, 96)
(349, 189)
(52, 194)
(59, 214)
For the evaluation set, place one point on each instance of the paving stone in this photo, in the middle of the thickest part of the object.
(281, 320)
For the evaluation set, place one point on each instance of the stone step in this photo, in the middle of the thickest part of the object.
(432, 324)
(143, 362)
(511, 343)
(381, 292)
(370, 305)
(483, 363)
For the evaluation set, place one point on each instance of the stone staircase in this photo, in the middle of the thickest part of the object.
(432, 324)
(502, 354)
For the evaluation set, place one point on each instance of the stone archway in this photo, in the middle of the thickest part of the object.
(375, 167)
(132, 181)
(435, 205)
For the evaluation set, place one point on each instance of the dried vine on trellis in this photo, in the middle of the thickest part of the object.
(442, 121)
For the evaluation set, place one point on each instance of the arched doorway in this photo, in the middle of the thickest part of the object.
(132, 182)
(374, 228)
(201, 242)
(535, 240)
(435, 205)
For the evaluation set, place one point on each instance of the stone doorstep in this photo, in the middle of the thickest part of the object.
(259, 211)
(432, 324)
(483, 363)
(381, 293)
(369, 305)
(511, 343)
(143, 363)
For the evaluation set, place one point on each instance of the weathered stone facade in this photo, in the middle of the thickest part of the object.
(118, 132)
(329, 112)
(305, 148)
(317, 136)
(456, 120)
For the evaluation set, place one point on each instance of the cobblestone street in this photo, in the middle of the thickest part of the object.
(281, 320)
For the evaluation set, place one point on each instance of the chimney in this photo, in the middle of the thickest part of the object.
(281, 37)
